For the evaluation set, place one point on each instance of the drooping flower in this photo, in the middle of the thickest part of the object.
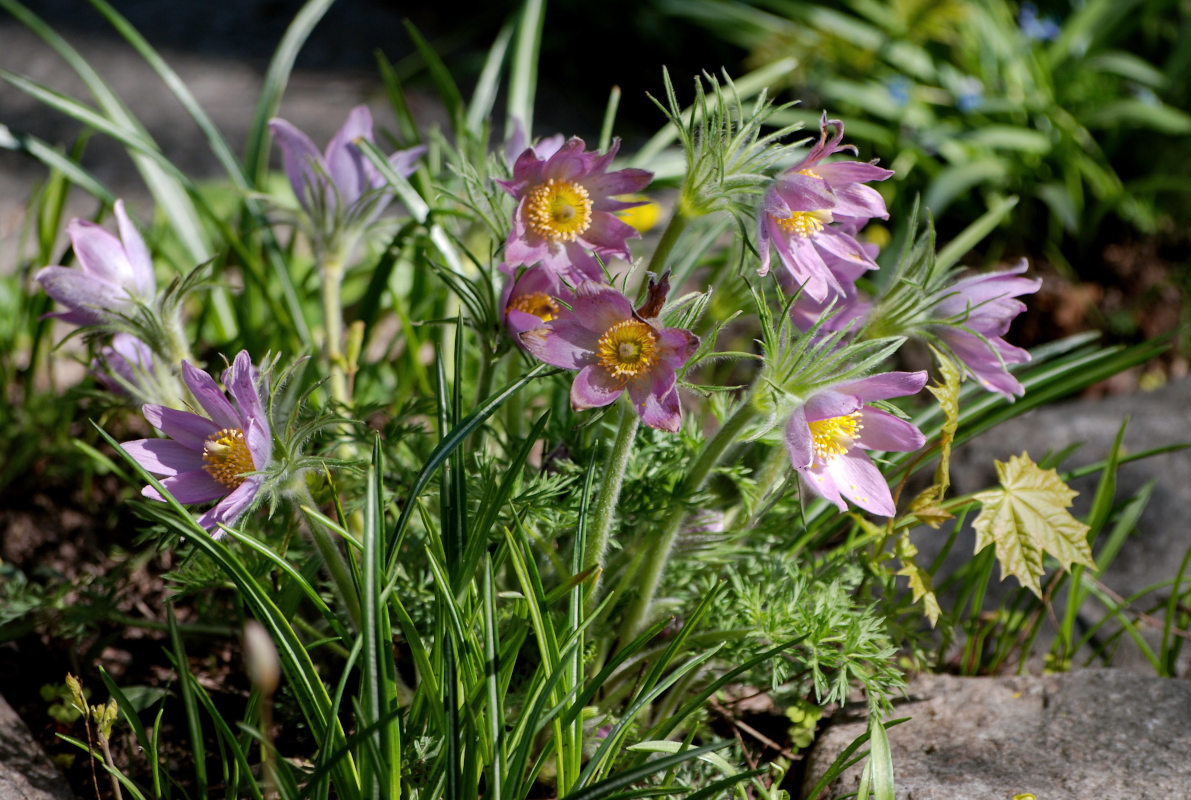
(340, 184)
(826, 438)
(566, 211)
(531, 298)
(975, 314)
(210, 457)
(616, 349)
(126, 366)
(112, 276)
(812, 212)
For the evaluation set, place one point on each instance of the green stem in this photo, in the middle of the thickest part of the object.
(674, 229)
(332, 270)
(659, 554)
(332, 556)
(605, 509)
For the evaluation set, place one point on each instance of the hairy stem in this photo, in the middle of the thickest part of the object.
(332, 556)
(613, 478)
(332, 271)
(674, 229)
(656, 558)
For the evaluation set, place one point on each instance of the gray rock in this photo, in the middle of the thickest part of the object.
(1074, 736)
(26, 773)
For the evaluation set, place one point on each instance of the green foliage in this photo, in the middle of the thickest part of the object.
(970, 102)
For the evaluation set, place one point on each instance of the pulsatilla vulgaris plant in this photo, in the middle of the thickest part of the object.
(424, 482)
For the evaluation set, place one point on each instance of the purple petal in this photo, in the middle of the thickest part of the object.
(598, 307)
(676, 346)
(799, 442)
(863, 202)
(884, 385)
(193, 487)
(144, 281)
(164, 456)
(562, 343)
(189, 430)
(100, 254)
(831, 404)
(89, 299)
(241, 381)
(594, 387)
(804, 193)
(347, 165)
(210, 397)
(858, 480)
(839, 173)
(299, 155)
(608, 235)
(260, 443)
(660, 410)
(622, 181)
(883, 431)
(821, 482)
(232, 507)
(404, 162)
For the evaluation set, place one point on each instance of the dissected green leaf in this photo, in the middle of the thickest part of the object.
(1026, 518)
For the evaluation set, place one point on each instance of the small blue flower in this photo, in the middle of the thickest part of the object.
(1038, 29)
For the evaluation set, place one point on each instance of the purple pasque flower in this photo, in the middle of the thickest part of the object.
(845, 309)
(617, 348)
(812, 212)
(531, 297)
(566, 211)
(341, 181)
(977, 311)
(114, 274)
(827, 435)
(208, 457)
(126, 366)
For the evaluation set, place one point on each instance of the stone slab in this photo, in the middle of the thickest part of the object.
(26, 773)
(1096, 733)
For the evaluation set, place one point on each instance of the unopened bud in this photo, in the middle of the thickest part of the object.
(260, 656)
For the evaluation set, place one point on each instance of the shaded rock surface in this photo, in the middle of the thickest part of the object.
(1153, 551)
(25, 771)
(1087, 734)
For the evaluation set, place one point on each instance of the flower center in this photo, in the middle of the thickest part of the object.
(834, 436)
(559, 212)
(540, 304)
(226, 457)
(627, 348)
(810, 173)
(803, 224)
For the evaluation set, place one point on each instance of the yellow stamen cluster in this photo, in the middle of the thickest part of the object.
(540, 304)
(803, 224)
(627, 348)
(834, 436)
(226, 457)
(810, 173)
(559, 211)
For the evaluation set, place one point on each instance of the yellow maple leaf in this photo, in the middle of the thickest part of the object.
(1027, 518)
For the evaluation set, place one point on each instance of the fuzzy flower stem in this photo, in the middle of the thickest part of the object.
(674, 228)
(332, 556)
(659, 554)
(613, 479)
(332, 269)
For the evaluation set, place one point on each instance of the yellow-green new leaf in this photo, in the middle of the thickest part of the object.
(926, 505)
(920, 586)
(1027, 518)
